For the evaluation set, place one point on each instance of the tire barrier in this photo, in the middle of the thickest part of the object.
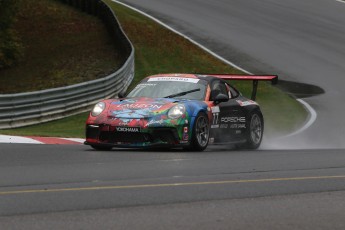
(22, 109)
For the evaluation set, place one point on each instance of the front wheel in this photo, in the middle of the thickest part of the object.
(201, 133)
(255, 130)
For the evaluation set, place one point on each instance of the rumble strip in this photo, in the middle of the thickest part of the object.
(40, 140)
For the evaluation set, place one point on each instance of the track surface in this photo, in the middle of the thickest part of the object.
(301, 41)
(74, 187)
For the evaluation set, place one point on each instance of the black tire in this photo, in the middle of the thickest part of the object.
(255, 130)
(200, 134)
(101, 148)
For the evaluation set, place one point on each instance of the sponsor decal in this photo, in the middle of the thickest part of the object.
(211, 140)
(232, 119)
(179, 79)
(215, 109)
(123, 123)
(223, 126)
(185, 136)
(155, 122)
(139, 106)
(246, 103)
(237, 126)
(127, 129)
(145, 84)
(215, 113)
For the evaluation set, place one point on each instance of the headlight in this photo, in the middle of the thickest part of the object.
(177, 111)
(98, 109)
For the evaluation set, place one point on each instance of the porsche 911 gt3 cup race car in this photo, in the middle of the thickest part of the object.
(179, 110)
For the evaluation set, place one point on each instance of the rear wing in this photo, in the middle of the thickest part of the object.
(255, 78)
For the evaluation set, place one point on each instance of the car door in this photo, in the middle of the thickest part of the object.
(228, 117)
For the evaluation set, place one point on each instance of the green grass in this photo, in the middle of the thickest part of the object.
(67, 127)
(159, 50)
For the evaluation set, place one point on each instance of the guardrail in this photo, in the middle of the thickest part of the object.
(22, 109)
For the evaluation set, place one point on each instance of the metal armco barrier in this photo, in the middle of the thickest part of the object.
(22, 109)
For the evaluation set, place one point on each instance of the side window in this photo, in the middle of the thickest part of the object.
(223, 89)
(217, 88)
(234, 92)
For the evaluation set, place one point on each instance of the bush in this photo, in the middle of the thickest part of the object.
(10, 47)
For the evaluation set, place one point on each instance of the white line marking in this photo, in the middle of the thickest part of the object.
(342, 1)
(311, 111)
(312, 118)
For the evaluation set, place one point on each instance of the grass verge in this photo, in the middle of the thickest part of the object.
(159, 50)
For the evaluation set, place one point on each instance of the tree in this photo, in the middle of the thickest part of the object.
(10, 47)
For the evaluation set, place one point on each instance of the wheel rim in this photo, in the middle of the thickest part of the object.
(202, 131)
(256, 129)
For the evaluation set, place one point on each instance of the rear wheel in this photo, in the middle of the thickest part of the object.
(201, 133)
(255, 130)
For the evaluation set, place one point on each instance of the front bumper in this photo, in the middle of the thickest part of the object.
(107, 135)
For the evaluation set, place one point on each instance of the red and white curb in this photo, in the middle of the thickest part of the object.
(41, 140)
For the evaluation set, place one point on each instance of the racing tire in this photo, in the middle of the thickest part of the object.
(255, 130)
(200, 133)
(101, 148)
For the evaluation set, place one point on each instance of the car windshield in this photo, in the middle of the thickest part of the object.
(157, 88)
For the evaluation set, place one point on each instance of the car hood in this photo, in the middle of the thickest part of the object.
(137, 108)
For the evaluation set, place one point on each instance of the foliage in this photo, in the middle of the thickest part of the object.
(10, 46)
(62, 46)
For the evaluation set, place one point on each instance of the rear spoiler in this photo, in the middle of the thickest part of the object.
(255, 78)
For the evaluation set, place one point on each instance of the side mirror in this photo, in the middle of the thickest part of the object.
(121, 94)
(221, 98)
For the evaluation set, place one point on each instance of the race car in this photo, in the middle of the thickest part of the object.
(189, 111)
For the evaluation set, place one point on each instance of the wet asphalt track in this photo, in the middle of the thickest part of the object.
(73, 187)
